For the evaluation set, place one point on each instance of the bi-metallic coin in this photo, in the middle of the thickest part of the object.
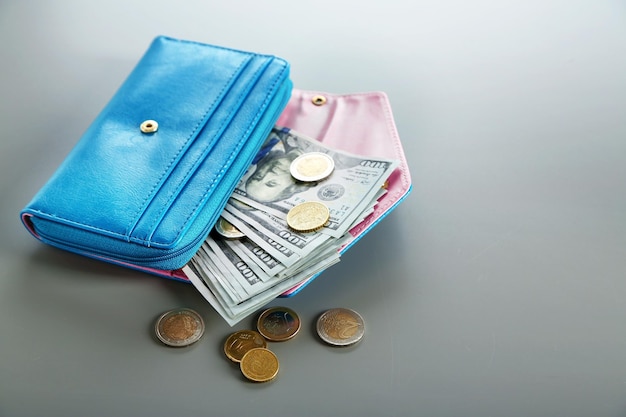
(226, 229)
(259, 365)
(308, 216)
(278, 324)
(312, 166)
(179, 327)
(340, 327)
(240, 342)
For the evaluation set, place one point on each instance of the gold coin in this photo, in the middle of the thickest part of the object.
(312, 166)
(226, 229)
(308, 216)
(259, 365)
(239, 343)
(340, 327)
(278, 324)
(179, 327)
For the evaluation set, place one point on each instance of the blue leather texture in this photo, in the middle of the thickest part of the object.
(151, 198)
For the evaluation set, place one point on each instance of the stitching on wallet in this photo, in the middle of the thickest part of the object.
(175, 193)
(75, 223)
(144, 204)
(235, 151)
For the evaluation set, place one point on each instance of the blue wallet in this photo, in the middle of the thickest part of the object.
(148, 179)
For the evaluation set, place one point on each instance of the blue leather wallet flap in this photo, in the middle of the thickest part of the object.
(161, 190)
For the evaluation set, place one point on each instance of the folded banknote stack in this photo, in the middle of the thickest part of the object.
(286, 221)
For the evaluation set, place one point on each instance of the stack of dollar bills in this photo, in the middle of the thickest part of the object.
(254, 254)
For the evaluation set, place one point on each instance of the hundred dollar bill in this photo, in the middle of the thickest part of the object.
(277, 229)
(230, 269)
(285, 255)
(247, 249)
(225, 286)
(326, 251)
(269, 186)
(203, 280)
(233, 272)
(224, 283)
(253, 279)
(234, 312)
(247, 275)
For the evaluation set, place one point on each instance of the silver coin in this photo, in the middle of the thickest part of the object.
(179, 327)
(340, 327)
(312, 166)
(226, 229)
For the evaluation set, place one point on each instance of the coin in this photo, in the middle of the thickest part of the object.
(259, 365)
(312, 166)
(226, 229)
(308, 216)
(278, 324)
(179, 327)
(239, 343)
(340, 327)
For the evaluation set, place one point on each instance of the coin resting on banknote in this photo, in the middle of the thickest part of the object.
(226, 229)
(312, 166)
(308, 216)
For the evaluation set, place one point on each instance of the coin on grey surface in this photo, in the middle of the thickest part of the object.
(312, 166)
(240, 342)
(308, 216)
(179, 327)
(340, 327)
(278, 324)
(226, 229)
(259, 365)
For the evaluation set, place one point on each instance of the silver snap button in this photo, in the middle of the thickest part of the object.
(149, 126)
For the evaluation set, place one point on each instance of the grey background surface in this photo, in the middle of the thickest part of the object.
(498, 288)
